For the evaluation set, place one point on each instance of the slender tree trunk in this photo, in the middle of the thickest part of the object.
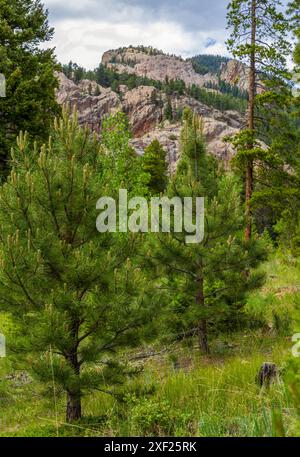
(203, 340)
(73, 412)
(251, 113)
(202, 325)
(249, 192)
(73, 409)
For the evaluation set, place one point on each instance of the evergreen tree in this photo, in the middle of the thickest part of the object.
(154, 163)
(73, 292)
(68, 70)
(258, 38)
(222, 102)
(276, 196)
(282, 191)
(30, 104)
(277, 188)
(294, 10)
(121, 163)
(168, 114)
(97, 91)
(206, 281)
(206, 63)
(289, 225)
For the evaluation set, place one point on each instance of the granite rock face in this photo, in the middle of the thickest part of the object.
(91, 108)
(158, 67)
(145, 105)
(140, 105)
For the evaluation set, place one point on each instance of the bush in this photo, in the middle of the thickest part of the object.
(154, 417)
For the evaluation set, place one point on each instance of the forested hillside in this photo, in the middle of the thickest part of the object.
(204, 64)
(223, 97)
(150, 234)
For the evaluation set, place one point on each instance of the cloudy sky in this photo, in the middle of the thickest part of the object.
(87, 28)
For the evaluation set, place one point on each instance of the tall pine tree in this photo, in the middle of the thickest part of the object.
(30, 104)
(258, 38)
(294, 11)
(277, 191)
(209, 277)
(73, 292)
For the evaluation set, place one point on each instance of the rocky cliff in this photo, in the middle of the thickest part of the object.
(154, 65)
(235, 74)
(91, 107)
(145, 105)
(146, 117)
(157, 66)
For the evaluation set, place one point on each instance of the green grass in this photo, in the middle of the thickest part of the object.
(205, 396)
(214, 396)
(278, 300)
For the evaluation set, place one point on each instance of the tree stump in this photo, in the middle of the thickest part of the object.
(267, 374)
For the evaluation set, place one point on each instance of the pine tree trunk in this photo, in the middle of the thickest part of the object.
(203, 340)
(251, 114)
(73, 412)
(202, 325)
(249, 191)
(73, 409)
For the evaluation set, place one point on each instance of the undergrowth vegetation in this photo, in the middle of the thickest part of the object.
(179, 392)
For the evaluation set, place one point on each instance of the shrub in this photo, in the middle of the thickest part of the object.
(155, 417)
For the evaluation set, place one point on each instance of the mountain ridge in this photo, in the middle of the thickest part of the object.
(153, 88)
(157, 65)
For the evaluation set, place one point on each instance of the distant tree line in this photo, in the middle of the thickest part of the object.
(204, 63)
(227, 88)
(222, 102)
(229, 99)
(140, 48)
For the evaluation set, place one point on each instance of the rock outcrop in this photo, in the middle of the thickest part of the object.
(158, 66)
(141, 107)
(235, 73)
(169, 136)
(145, 105)
(91, 108)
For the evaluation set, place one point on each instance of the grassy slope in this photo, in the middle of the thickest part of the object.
(215, 396)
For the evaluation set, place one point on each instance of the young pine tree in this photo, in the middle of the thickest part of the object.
(206, 281)
(121, 163)
(73, 292)
(154, 163)
(258, 38)
(30, 102)
(168, 111)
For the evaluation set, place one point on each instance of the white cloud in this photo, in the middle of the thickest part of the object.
(84, 41)
(84, 29)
